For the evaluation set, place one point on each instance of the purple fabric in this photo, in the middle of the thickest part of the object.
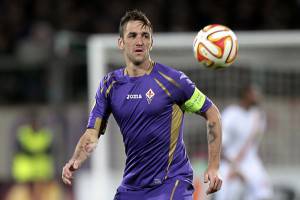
(207, 104)
(143, 111)
(183, 191)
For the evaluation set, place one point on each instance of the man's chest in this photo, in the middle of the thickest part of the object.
(244, 127)
(139, 98)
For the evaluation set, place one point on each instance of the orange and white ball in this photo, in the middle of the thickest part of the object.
(215, 46)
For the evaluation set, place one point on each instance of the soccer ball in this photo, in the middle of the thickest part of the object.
(215, 46)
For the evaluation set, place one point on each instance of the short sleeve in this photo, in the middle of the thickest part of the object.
(101, 109)
(185, 88)
(191, 98)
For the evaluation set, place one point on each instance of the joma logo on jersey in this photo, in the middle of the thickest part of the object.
(134, 96)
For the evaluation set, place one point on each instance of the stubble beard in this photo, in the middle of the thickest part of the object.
(137, 61)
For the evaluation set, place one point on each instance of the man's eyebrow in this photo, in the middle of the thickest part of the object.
(132, 33)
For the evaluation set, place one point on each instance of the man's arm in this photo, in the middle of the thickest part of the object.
(214, 138)
(85, 146)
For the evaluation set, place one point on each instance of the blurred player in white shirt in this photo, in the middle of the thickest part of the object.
(241, 167)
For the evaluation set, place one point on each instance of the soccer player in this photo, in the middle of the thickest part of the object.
(148, 101)
(241, 167)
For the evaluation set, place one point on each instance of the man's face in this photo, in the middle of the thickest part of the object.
(136, 42)
(253, 96)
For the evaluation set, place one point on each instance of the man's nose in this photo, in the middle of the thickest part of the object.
(139, 40)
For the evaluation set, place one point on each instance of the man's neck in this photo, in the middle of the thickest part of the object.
(244, 104)
(139, 70)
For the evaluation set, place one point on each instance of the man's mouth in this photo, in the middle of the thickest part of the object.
(138, 50)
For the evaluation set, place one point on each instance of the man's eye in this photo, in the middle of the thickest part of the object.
(131, 35)
(146, 35)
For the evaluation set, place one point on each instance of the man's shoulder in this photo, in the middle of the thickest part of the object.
(168, 71)
(115, 74)
(231, 110)
(112, 77)
(166, 68)
(175, 78)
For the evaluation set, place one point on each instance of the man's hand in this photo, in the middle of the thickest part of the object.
(84, 148)
(215, 182)
(68, 169)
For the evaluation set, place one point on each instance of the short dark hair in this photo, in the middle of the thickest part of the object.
(134, 15)
(244, 89)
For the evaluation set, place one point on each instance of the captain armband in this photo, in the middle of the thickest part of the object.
(195, 103)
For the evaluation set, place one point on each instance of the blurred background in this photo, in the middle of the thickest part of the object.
(44, 82)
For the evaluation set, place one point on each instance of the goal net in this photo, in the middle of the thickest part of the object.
(269, 59)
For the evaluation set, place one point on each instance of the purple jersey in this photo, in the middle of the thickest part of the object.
(148, 112)
(171, 190)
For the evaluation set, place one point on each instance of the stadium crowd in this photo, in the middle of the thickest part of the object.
(19, 19)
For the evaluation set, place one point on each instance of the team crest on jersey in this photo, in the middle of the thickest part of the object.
(150, 94)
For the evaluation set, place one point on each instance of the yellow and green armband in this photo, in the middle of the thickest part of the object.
(195, 103)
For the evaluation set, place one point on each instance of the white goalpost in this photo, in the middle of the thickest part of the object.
(266, 50)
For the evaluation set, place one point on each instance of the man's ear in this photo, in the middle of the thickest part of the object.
(121, 43)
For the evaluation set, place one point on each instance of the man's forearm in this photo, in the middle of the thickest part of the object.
(85, 146)
(214, 137)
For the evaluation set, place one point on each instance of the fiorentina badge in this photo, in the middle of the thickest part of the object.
(150, 94)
